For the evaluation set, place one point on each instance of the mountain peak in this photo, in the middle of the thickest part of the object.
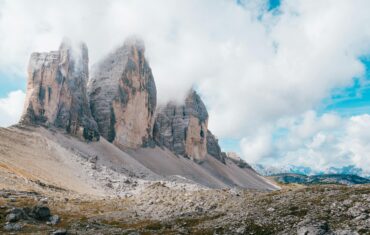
(56, 92)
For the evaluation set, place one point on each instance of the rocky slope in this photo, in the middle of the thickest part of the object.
(123, 96)
(161, 209)
(56, 91)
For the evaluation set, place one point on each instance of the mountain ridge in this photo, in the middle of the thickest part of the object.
(132, 137)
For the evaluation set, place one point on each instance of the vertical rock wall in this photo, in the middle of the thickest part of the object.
(123, 96)
(56, 91)
(183, 128)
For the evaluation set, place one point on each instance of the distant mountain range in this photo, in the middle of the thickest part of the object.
(288, 178)
(303, 170)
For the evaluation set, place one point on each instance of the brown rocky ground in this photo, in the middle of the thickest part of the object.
(159, 209)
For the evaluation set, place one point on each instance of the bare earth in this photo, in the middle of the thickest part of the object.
(97, 188)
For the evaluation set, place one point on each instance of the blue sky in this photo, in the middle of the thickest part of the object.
(10, 82)
(344, 101)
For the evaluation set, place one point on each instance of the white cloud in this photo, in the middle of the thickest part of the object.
(255, 69)
(314, 141)
(257, 147)
(11, 108)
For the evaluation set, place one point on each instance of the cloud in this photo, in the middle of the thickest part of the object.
(315, 141)
(11, 108)
(254, 68)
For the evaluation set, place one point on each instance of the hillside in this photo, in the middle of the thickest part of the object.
(289, 178)
(36, 154)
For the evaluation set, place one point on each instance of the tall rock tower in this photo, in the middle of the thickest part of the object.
(183, 128)
(56, 91)
(123, 96)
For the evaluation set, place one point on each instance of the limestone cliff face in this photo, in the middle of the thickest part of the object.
(213, 148)
(183, 128)
(122, 96)
(56, 91)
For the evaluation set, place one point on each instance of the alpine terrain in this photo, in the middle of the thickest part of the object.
(94, 153)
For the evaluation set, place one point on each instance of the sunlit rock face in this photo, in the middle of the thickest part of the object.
(56, 91)
(123, 94)
(183, 128)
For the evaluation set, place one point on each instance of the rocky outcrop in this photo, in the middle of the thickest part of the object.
(123, 96)
(234, 157)
(56, 91)
(183, 128)
(213, 148)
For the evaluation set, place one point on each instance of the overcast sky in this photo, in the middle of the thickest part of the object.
(284, 83)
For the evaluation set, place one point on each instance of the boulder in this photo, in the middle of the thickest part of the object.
(41, 212)
(311, 227)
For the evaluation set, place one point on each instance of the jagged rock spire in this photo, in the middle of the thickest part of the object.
(123, 95)
(56, 91)
(183, 128)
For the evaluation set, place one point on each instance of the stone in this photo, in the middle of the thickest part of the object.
(123, 96)
(12, 217)
(13, 227)
(183, 128)
(60, 232)
(54, 219)
(41, 212)
(310, 227)
(56, 91)
(213, 148)
(15, 215)
(346, 232)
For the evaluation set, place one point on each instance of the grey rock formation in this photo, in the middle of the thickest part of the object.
(183, 128)
(213, 148)
(309, 227)
(123, 96)
(56, 91)
(234, 157)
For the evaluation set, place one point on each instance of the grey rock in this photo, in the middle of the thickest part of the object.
(56, 91)
(54, 219)
(346, 232)
(13, 227)
(60, 232)
(15, 215)
(309, 227)
(183, 128)
(123, 96)
(213, 148)
(12, 217)
(41, 212)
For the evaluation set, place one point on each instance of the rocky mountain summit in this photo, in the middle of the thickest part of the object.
(183, 128)
(123, 94)
(119, 104)
(56, 91)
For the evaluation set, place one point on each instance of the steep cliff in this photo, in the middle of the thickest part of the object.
(183, 128)
(123, 96)
(56, 91)
(213, 148)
